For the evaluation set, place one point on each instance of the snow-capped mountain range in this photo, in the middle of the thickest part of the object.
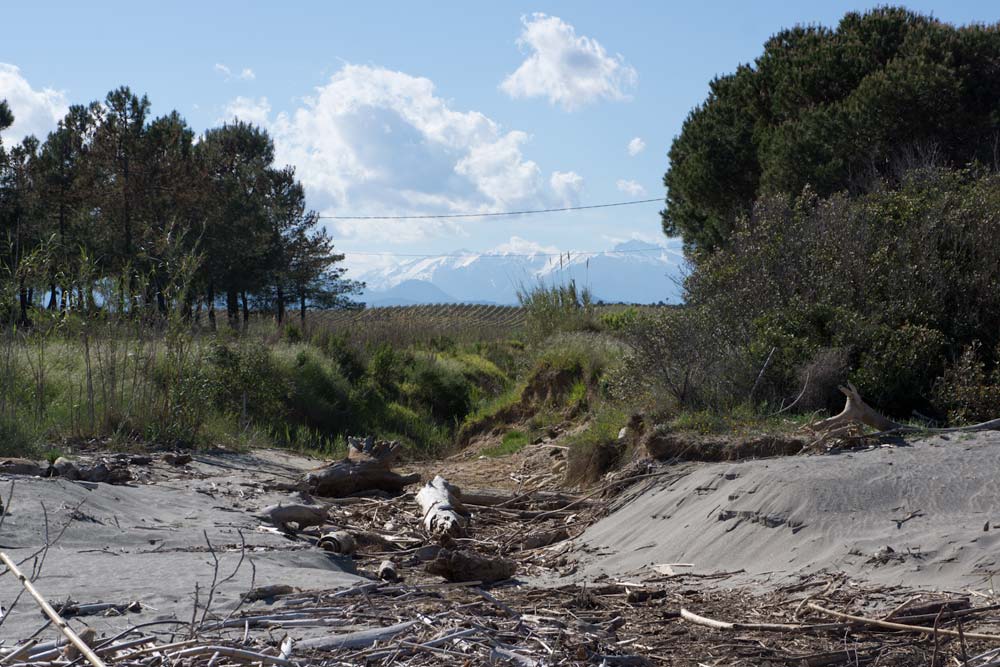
(631, 272)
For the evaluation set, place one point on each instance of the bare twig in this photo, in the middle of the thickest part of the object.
(92, 657)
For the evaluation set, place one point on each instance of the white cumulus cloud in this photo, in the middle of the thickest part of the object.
(567, 185)
(249, 110)
(246, 74)
(519, 246)
(377, 142)
(568, 69)
(636, 146)
(630, 188)
(36, 111)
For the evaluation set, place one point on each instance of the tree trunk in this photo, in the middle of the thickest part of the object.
(22, 295)
(302, 310)
(280, 291)
(211, 306)
(246, 309)
(233, 309)
(52, 296)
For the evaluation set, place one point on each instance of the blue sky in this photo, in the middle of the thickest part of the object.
(416, 108)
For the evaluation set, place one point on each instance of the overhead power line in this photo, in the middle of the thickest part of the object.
(486, 215)
(568, 254)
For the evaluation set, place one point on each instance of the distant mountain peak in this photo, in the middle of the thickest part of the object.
(637, 275)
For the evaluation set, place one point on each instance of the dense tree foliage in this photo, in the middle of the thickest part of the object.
(117, 202)
(840, 109)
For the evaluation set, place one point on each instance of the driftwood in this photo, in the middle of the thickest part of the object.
(301, 515)
(339, 542)
(856, 411)
(230, 652)
(439, 503)
(387, 571)
(359, 639)
(890, 625)
(697, 619)
(538, 540)
(57, 620)
(457, 566)
(366, 468)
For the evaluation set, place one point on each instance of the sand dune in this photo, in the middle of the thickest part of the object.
(926, 514)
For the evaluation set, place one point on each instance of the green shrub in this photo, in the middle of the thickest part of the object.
(440, 388)
(621, 320)
(898, 367)
(247, 382)
(966, 392)
(319, 399)
(16, 439)
(596, 449)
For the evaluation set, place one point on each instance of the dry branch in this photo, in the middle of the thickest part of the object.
(890, 625)
(92, 657)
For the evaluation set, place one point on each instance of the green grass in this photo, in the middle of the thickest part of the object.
(742, 420)
(596, 449)
(512, 443)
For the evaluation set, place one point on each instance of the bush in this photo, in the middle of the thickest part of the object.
(596, 449)
(898, 367)
(966, 392)
(550, 309)
(689, 355)
(896, 278)
(442, 390)
(16, 440)
(319, 398)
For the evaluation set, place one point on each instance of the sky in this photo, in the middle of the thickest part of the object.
(405, 108)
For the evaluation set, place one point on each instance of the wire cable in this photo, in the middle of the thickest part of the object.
(485, 215)
(573, 253)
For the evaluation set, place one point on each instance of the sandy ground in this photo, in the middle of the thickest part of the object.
(924, 514)
(753, 539)
(146, 541)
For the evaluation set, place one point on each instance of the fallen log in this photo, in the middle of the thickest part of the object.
(438, 500)
(456, 566)
(367, 467)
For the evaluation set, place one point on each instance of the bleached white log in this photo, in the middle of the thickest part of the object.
(439, 502)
